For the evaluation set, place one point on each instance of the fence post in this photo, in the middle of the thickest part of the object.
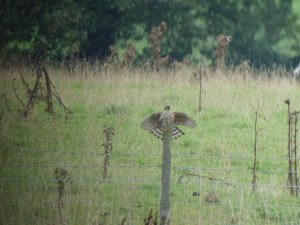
(165, 210)
(164, 126)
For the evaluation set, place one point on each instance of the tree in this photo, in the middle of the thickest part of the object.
(258, 28)
(42, 29)
(263, 31)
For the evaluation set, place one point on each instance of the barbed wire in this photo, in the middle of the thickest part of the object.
(74, 180)
(47, 179)
(183, 155)
(122, 180)
(100, 166)
(184, 204)
(176, 168)
(184, 168)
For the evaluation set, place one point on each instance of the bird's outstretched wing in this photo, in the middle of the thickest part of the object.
(183, 119)
(151, 122)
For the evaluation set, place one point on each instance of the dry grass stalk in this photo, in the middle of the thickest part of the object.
(254, 176)
(202, 72)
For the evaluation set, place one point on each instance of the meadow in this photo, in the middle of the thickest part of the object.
(215, 157)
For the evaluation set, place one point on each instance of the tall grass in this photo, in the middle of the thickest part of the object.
(102, 95)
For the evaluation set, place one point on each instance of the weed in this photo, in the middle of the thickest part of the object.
(113, 57)
(198, 75)
(254, 176)
(155, 39)
(130, 55)
(151, 220)
(114, 109)
(108, 147)
(40, 92)
(62, 177)
(5, 101)
(223, 42)
(16, 93)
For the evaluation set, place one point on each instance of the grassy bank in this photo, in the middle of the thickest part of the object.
(221, 147)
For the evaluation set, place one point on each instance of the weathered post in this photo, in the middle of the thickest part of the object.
(290, 142)
(164, 126)
(165, 209)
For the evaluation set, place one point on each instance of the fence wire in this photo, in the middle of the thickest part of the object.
(128, 154)
(207, 174)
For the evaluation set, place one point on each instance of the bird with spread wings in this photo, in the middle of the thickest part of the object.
(167, 121)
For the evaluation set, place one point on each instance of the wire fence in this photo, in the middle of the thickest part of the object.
(133, 185)
(179, 169)
(98, 153)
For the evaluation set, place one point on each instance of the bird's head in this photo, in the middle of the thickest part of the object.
(167, 107)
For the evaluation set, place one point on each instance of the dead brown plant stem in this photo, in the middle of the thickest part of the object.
(26, 85)
(49, 92)
(40, 92)
(223, 42)
(123, 221)
(108, 147)
(289, 146)
(155, 41)
(295, 154)
(32, 94)
(150, 220)
(16, 93)
(290, 161)
(206, 177)
(6, 102)
(254, 177)
(200, 91)
(62, 178)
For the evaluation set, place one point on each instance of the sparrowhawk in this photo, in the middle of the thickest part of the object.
(167, 121)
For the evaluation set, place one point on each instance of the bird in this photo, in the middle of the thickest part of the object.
(167, 121)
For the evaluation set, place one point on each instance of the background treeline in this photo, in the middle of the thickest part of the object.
(265, 32)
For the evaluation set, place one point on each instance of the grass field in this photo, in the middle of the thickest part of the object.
(221, 147)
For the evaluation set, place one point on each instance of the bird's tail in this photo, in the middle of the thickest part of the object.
(176, 132)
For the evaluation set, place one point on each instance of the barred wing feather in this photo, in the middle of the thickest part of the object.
(183, 119)
(151, 121)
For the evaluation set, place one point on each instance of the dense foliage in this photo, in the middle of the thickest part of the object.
(263, 31)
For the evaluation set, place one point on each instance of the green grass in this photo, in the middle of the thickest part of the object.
(220, 147)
